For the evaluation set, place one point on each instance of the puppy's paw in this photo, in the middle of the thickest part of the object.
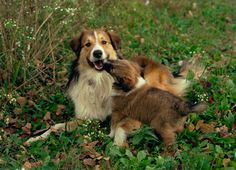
(120, 137)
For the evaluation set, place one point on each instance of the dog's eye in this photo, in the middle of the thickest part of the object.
(88, 44)
(104, 42)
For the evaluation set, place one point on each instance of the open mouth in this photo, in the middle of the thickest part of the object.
(98, 64)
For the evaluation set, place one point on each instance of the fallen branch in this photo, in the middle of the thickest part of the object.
(67, 126)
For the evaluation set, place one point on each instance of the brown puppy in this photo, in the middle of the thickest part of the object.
(159, 76)
(133, 97)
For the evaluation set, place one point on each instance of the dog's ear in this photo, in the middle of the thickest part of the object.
(115, 40)
(76, 45)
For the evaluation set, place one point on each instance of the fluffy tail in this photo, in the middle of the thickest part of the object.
(198, 108)
(193, 64)
(184, 108)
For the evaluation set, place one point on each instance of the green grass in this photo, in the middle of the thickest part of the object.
(35, 57)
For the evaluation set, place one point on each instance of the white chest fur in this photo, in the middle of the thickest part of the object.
(91, 95)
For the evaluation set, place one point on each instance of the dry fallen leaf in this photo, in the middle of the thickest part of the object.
(223, 130)
(47, 116)
(226, 162)
(31, 94)
(17, 111)
(98, 167)
(88, 150)
(27, 165)
(194, 6)
(204, 127)
(60, 108)
(190, 14)
(142, 40)
(89, 162)
(9, 130)
(27, 128)
(21, 101)
(2, 161)
(37, 164)
(234, 127)
(31, 103)
(191, 127)
(1, 115)
(211, 99)
(11, 120)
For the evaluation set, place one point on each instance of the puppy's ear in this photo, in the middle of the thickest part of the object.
(137, 68)
(115, 40)
(76, 45)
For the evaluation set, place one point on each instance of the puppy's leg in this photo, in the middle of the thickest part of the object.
(115, 119)
(180, 124)
(124, 128)
(166, 132)
(120, 137)
(168, 136)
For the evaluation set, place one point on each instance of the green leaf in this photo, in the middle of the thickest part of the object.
(129, 153)
(115, 151)
(160, 160)
(218, 149)
(141, 155)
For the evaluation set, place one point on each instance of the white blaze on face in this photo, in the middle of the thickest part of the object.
(97, 46)
(98, 62)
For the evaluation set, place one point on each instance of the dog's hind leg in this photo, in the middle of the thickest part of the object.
(168, 136)
(166, 131)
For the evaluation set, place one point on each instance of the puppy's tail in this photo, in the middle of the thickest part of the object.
(186, 108)
(193, 64)
(198, 108)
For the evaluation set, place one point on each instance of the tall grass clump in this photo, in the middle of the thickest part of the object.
(34, 36)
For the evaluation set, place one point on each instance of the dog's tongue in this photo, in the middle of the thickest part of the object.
(98, 64)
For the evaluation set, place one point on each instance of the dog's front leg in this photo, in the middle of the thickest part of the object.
(116, 117)
(123, 129)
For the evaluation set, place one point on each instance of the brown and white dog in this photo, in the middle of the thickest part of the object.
(89, 86)
(134, 98)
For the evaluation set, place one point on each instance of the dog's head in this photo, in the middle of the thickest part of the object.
(126, 74)
(93, 47)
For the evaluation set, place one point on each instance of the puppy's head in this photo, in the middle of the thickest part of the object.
(93, 47)
(125, 74)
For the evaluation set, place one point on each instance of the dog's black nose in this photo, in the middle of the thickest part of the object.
(108, 66)
(97, 53)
